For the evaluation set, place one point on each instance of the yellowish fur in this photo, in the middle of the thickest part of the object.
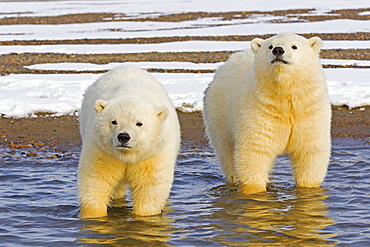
(114, 104)
(255, 110)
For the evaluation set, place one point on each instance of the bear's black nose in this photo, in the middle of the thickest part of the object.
(123, 137)
(278, 51)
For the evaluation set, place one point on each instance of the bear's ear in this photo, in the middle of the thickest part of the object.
(161, 112)
(315, 43)
(100, 104)
(256, 44)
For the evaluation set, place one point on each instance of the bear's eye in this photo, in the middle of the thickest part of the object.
(139, 124)
(270, 47)
(294, 47)
(114, 122)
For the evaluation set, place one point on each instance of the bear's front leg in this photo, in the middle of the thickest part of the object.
(150, 198)
(252, 169)
(90, 211)
(151, 189)
(94, 201)
(253, 163)
(309, 149)
(94, 192)
(310, 165)
(257, 143)
(94, 197)
(148, 204)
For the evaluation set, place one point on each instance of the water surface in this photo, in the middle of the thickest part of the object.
(39, 207)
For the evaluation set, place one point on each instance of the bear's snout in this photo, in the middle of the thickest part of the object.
(278, 51)
(123, 138)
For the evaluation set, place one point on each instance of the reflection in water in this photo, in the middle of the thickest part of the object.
(121, 228)
(294, 218)
(39, 207)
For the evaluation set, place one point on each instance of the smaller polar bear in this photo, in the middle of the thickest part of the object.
(270, 100)
(130, 135)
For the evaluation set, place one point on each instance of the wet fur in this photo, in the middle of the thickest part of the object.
(255, 110)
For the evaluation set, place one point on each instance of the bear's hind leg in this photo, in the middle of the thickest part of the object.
(119, 191)
(225, 155)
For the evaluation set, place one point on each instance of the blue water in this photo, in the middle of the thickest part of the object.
(39, 207)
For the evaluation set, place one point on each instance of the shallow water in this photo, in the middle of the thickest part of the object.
(39, 208)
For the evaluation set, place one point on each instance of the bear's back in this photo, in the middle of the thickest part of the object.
(229, 80)
(125, 80)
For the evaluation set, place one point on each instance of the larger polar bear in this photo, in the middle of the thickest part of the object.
(130, 135)
(267, 101)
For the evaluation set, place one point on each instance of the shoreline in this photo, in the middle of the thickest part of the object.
(31, 136)
(61, 134)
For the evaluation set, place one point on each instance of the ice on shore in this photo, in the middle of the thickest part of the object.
(24, 95)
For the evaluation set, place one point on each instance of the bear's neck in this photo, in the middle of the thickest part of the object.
(284, 81)
(290, 92)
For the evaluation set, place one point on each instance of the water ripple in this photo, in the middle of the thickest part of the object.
(39, 207)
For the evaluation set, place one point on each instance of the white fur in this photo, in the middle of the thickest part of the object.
(127, 100)
(255, 110)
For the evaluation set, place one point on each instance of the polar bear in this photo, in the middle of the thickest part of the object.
(267, 101)
(130, 136)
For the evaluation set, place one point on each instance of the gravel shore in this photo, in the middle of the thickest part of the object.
(61, 133)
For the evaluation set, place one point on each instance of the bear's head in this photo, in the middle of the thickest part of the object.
(286, 52)
(129, 128)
